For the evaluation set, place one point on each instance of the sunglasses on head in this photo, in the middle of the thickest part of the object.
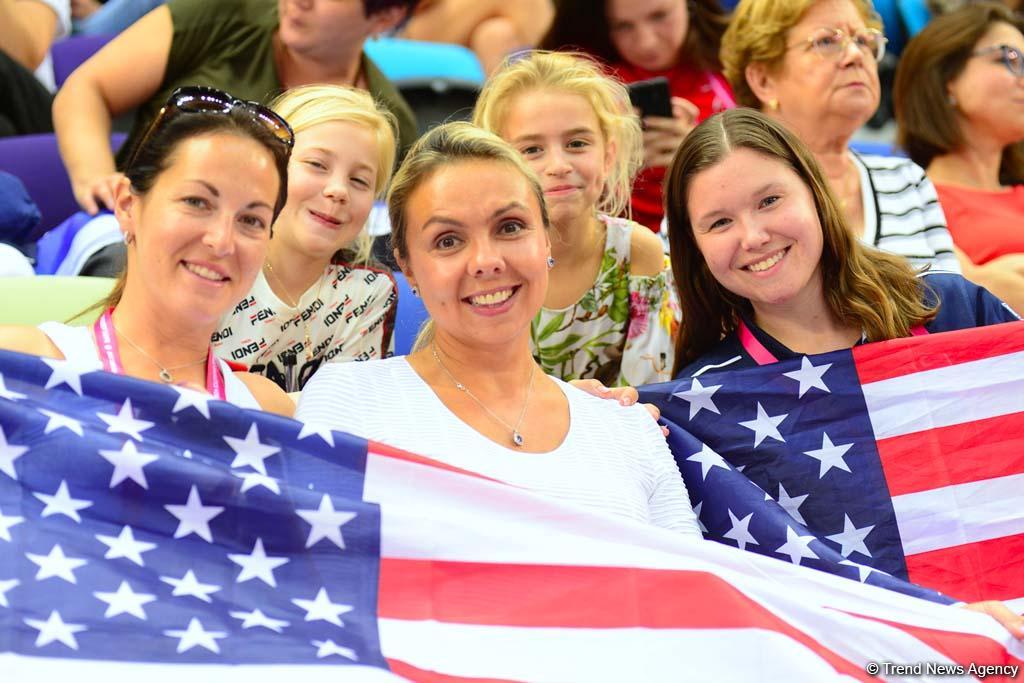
(198, 99)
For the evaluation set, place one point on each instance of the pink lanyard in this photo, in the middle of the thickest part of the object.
(110, 356)
(763, 356)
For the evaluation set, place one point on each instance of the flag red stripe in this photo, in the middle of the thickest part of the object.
(911, 464)
(898, 357)
(985, 570)
(406, 670)
(577, 597)
(377, 448)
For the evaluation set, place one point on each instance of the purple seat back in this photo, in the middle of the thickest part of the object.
(69, 53)
(36, 161)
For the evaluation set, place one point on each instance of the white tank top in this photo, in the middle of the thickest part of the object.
(79, 348)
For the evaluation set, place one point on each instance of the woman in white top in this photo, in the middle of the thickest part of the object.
(471, 234)
(317, 300)
(196, 206)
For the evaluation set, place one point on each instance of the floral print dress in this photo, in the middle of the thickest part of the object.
(621, 331)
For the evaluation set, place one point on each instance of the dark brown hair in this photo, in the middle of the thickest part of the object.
(875, 291)
(928, 125)
(579, 25)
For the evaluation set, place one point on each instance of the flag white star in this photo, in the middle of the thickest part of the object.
(863, 571)
(190, 398)
(254, 479)
(189, 586)
(6, 522)
(61, 503)
(851, 538)
(63, 372)
(58, 421)
(739, 531)
(765, 425)
(56, 564)
(249, 451)
(830, 455)
(322, 609)
(696, 512)
(53, 629)
(8, 454)
(809, 376)
(128, 464)
(797, 547)
(326, 648)
(707, 459)
(7, 393)
(699, 397)
(258, 618)
(325, 522)
(309, 429)
(125, 545)
(791, 504)
(6, 586)
(195, 635)
(124, 422)
(257, 565)
(194, 517)
(125, 601)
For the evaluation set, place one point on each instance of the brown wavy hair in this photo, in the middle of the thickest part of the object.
(928, 125)
(864, 287)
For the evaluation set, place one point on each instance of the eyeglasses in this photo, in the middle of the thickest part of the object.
(831, 42)
(1011, 57)
(198, 99)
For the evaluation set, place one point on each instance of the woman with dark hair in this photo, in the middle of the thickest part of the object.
(195, 206)
(257, 48)
(643, 39)
(771, 269)
(959, 97)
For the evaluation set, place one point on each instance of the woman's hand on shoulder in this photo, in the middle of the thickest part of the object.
(1012, 622)
(271, 397)
(28, 339)
(647, 254)
(625, 396)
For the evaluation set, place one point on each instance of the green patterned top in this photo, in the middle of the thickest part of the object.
(621, 331)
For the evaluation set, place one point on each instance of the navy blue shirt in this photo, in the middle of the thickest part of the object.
(962, 304)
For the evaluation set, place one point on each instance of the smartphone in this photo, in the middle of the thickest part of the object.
(651, 97)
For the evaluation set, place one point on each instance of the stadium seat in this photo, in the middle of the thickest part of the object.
(36, 161)
(410, 317)
(915, 14)
(439, 81)
(888, 12)
(32, 300)
(885, 149)
(69, 53)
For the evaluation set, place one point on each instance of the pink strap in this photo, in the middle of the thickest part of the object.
(756, 349)
(918, 331)
(110, 355)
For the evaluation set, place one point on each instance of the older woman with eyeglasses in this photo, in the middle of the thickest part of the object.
(813, 64)
(959, 99)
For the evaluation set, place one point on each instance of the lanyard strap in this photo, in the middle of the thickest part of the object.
(110, 355)
(763, 356)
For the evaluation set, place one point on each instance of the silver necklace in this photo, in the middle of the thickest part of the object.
(517, 437)
(165, 373)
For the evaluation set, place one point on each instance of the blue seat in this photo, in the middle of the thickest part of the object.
(36, 161)
(410, 316)
(889, 13)
(68, 54)
(915, 14)
(403, 61)
(885, 149)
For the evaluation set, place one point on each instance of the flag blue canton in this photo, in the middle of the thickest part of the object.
(781, 460)
(117, 543)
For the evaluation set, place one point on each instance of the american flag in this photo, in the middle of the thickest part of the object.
(901, 460)
(150, 531)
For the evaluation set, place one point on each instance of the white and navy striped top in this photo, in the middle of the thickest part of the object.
(613, 459)
(902, 214)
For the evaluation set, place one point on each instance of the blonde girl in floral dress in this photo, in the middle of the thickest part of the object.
(611, 311)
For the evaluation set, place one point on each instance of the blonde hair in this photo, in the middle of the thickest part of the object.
(758, 33)
(310, 105)
(447, 145)
(577, 75)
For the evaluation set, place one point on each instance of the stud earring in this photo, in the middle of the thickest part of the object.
(415, 291)
(773, 104)
(128, 238)
(951, 99)
(551, 262)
